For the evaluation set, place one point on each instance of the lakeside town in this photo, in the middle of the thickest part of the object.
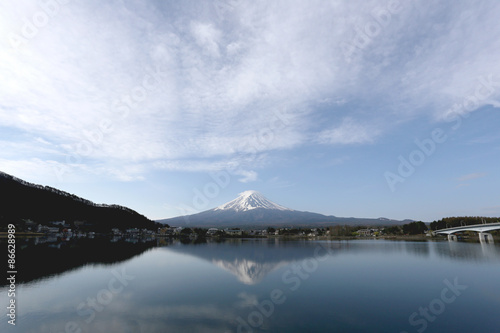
(61, 230)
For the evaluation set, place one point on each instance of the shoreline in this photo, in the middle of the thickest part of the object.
(419, 238)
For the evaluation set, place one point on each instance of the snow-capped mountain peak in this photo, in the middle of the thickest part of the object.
(249, 200)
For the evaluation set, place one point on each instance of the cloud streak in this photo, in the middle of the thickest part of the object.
(349, 132)
(471, 176)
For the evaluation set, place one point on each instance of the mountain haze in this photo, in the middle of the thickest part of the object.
(251, 208)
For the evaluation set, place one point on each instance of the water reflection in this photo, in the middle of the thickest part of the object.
(362, 286)
(43, 257)
(465, 251)
(251, 260)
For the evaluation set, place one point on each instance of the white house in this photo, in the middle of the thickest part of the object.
(212, 231)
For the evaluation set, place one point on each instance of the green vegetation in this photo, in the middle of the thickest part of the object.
(451, 222)
(395, 230)
(342, 231)
(414, 228)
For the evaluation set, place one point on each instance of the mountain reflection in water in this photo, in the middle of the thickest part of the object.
(211, 286)
(251, 260)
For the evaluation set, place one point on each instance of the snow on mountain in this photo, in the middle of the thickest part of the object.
(251, 208)
(248, 271)
(249, 200)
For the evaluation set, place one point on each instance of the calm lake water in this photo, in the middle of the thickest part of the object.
(255, 286)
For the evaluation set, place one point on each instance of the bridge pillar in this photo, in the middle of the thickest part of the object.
(485, 237)
(452, 237)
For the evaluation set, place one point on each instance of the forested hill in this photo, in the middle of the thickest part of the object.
(43, 204)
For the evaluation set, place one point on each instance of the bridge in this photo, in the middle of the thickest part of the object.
(481, 229)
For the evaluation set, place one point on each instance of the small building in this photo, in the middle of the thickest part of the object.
(133, 231)
(162, 231)
(212, 231)
(364, 232)
(170, 231)
(62, 223)
(47, 230)
(233, 232)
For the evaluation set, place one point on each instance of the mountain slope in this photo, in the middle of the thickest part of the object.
(43, 204)
(249, 200)
(251, 208)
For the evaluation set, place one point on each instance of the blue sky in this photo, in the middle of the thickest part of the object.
(348, 108)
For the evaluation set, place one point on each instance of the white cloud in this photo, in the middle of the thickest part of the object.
(222, 79)
(34, 170)
(207, 37)
(349, 132)
(238, 166)
(247, 176)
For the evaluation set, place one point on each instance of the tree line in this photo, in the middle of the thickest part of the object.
(457, 221)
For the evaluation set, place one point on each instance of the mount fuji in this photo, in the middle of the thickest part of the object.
(249, 200)
(252, 209)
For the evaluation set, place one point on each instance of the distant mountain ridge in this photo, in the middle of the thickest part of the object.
(251, 208)
(43, 204)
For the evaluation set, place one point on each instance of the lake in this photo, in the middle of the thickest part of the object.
(254, 285)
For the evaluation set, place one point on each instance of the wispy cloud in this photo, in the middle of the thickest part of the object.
(349, 132)
(277, 182)
(241, 167)
(485, 139)
(122, 85)
(471, 176)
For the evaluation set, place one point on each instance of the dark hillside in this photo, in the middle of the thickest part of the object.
(21, 200)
